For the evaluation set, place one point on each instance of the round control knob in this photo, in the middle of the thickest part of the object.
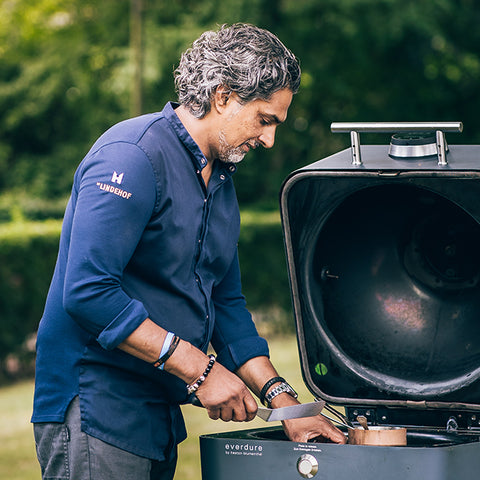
(307, 466)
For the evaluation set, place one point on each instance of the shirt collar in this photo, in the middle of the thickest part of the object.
(182, 133)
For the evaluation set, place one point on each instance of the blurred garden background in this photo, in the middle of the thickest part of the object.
(69, 69)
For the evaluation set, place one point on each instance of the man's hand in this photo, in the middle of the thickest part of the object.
(311, 428)
(223, 393)
(308, 428)
(259, 370)
(225, 396)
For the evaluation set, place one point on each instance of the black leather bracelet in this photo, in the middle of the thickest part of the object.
(159, 363)
(267, 386)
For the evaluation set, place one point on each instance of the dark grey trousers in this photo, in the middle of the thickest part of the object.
(66, 453)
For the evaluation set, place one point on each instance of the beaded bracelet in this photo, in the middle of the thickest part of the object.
(267, 386)
(165, 355)
(195, 385)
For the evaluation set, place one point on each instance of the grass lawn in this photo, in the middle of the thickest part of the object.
(17, 451)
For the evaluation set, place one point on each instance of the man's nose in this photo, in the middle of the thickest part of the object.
(267, 138)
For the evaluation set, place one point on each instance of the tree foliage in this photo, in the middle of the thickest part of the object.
(66, 74)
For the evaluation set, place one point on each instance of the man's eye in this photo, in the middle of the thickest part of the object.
(264, 122)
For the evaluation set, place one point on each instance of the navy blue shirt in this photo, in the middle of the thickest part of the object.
(142, 237)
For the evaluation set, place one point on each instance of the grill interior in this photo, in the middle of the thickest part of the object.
(387, 273)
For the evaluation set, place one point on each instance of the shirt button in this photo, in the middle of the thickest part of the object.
(232, 168)
(222, 177)
(203, 161)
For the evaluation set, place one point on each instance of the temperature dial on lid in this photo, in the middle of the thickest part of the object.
(307, 466)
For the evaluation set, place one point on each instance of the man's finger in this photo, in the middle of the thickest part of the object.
(214, 413)
(251, 408)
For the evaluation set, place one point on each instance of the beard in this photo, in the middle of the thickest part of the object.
(227, 153)
(233, 155)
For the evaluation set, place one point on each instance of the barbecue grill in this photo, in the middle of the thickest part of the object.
(383, 255)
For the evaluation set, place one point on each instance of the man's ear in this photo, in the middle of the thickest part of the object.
(221, 97)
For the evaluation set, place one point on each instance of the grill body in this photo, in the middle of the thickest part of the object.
(384, 264)
(264, 453)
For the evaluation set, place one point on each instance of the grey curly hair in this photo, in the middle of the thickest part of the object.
(247, 60)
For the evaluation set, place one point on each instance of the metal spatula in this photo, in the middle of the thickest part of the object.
(277, 414)
(294, 411)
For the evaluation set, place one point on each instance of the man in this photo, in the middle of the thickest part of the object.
(147, 274)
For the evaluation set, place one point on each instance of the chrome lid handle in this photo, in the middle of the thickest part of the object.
(355, 128)
(441, 148)
(395, 127)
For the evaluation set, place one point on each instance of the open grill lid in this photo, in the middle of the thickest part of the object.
(384, 264)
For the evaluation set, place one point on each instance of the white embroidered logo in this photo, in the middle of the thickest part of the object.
(115, 190)
(117, 178)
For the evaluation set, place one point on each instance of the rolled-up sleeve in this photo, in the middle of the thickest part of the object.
(235, 337)
(115, 197)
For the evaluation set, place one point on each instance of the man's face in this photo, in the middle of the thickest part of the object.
(252, 124)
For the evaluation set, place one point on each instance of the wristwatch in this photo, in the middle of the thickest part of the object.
(284, 387)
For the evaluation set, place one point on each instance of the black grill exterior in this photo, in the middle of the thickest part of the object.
(383, 257)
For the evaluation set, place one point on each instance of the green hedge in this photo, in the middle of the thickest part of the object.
(262, 261)
(21, 207)
(27, 256)
(28, 252)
